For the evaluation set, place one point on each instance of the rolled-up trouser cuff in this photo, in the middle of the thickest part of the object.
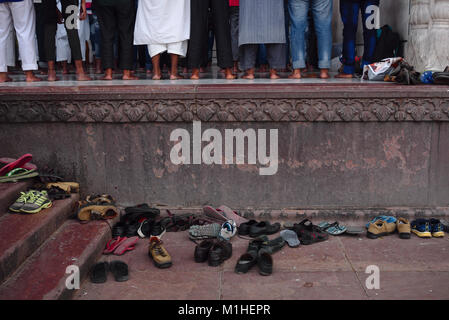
(324, 64)
(299, 64)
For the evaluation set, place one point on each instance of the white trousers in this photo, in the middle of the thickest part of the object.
(21, 17)
(179, 48)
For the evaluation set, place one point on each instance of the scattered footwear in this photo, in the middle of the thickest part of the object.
(160, 256)
(19, 163)
(246, 262)
(388, 219)
(24, 164)
(126, 245)
(220, 252)
(68, 187)
(18, 174)
(380, 228)
(36, 201)
(202, 251)
(291, 238)
(436, 228)
(404, 228)
(228, 230)
(113, 244)
(99, 273)
(206, 231)
(334, 229)
(97, 208)
(309, 233)
(18, 204)
(421, 227)
(263, 228)
(265, 263)
(244, 228)
(120, 270)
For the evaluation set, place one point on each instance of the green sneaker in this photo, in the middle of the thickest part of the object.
(16, 206)
(37, 201)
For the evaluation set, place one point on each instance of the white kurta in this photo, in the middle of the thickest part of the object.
(162, 22)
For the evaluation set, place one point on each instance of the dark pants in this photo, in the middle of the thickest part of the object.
(118, 18)
(199, 32)
(275, 55)
(47, 20)
(350, 12)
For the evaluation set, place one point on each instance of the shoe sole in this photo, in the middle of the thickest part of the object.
(375, 236)
(161, 265)
(422, 234)
(404, 235)
(45, 206)
(14, 210)
(438, 234)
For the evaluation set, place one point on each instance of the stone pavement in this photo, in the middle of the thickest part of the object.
(334, 269)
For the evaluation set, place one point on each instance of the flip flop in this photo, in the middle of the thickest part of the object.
(113, 244)
(127, 245)
(18, 174)
(354, 230)
(28, 166)
(16, 164)
(291, 238)
(120, 270)
(335, 229)
(232, 215)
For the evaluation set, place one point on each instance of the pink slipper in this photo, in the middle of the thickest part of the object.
(28, 166)
(127, 245)
(215, 214)
(231, 214)
(16, 164)
(113, 244)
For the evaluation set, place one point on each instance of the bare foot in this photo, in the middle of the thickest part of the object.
(195, 74)
(344, 76)
(83, 77)
(229, 75)
(129, 77)
(274, 75)
(176, 77)
(324, 74)
(30, 77)
(296, 74)
(157, 76)
(52, 76)
(248, 76)
(4, 77)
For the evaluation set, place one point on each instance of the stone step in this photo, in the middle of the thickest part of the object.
(22, 234)
(43, 275)
(9, 192)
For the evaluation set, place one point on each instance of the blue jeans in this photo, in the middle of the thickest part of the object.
(322, 17)
(350, 12)
(95, 35)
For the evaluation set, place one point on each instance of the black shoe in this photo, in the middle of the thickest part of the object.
(246, 262)
(265, 263)
(131, 229)
(145, 227)
(202, 250)
(244, 228)
(273, 246)
(119, 230)
(220, 251)
(309, 233)
(99, 273)
(120, 270)
(263, 228)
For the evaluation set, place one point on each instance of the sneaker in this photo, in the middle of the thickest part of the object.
(160, 256)
(37, 200)
(436, 228)
(228, 230)
(20, 202)
(404, 229)
(206, 231)
(421, 227)
(380, 228)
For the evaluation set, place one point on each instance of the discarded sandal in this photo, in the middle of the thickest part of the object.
(127, 245)
(120, 270)
(113, 244)
(19, 163)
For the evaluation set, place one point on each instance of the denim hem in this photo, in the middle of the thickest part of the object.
(299, 64)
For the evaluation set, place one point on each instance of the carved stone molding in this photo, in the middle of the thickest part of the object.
(227, 110)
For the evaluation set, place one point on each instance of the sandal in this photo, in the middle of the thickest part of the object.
(16, 164)
(28, 166)
(99, 273)
(332, 228)
(309, 233)
(18, 174)
(120, 270)
(113, 244)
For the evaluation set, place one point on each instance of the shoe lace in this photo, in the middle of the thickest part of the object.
(37, 197)
(23, 197)
(158, 249)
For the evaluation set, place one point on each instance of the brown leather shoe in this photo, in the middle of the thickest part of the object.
(380, 228)
(160, 256)
(404, 228)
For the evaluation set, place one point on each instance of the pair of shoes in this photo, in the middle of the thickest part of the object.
(97, 207)
(119, 269)
(32, 201)
(259, 252)
(334, 229)
(256, 229)
(380, 228)
(309, 233)
(120, 245)
(427, 228)
(159, 254)
(215, 252)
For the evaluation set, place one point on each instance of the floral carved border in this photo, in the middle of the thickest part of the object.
(227, 110)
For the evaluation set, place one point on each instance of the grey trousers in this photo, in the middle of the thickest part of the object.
(276, 55)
